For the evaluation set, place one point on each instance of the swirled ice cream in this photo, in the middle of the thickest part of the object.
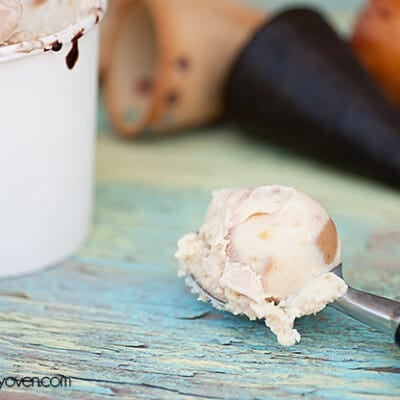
(27, 20)
(267, 253)
(10, 18)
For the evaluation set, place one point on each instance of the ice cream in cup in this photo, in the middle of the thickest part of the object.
(10, 17)
(48, 97)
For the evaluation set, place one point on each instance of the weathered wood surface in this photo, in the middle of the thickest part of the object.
(118, 321)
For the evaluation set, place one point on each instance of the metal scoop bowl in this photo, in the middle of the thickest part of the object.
(375, 311)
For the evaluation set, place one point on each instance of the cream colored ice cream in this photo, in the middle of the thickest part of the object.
(266, 252)
(28, 20)
(10, 18)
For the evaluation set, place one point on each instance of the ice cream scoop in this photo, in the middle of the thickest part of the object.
(376, 311)
(10, 17)
(270, 253)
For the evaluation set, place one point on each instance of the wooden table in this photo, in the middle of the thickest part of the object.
(120, 324)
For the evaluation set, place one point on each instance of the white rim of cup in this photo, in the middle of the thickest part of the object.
(30, 47)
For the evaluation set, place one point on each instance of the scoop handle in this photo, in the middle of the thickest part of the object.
(376, 311)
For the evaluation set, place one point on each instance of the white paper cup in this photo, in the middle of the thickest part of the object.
(47, 131)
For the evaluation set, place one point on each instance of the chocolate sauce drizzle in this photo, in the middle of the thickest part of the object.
(56, 46)
(73, 54)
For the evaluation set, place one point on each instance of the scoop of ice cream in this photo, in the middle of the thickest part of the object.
(267, 253)
(10, 17)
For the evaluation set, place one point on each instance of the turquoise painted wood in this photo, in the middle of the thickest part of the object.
(117, 320)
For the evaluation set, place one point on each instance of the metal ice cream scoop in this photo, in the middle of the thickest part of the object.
(375, 311)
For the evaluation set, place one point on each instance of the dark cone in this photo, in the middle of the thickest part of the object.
(297, 83)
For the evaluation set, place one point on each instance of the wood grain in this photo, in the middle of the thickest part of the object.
(118, 321)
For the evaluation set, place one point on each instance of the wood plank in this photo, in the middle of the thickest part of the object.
(117, 320)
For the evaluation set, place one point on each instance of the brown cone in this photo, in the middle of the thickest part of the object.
(376, 40)
(170, 61)
(297, 83)
(108, 29)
